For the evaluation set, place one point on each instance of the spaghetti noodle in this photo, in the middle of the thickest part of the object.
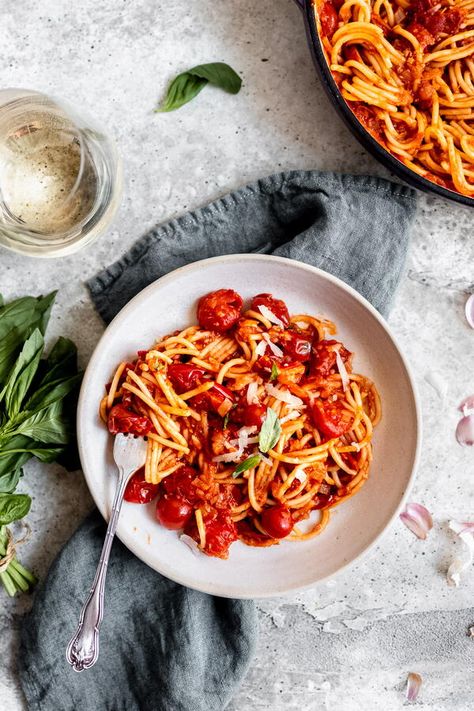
(254, 421)
(406, 69)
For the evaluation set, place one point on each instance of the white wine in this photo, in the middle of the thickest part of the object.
(46, 183)
(60, 176)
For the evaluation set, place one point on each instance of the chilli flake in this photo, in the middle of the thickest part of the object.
(417, 519)
(414, 682)
(270, 316)
(465, 531)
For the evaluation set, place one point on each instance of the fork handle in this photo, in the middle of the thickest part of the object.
(83, 649)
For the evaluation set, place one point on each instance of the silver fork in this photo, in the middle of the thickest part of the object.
(83, 649)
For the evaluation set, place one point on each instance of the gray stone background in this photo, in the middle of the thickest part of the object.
(349, 644)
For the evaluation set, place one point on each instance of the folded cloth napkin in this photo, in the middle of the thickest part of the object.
(165, 647)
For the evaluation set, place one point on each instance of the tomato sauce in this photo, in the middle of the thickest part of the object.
(301, 357)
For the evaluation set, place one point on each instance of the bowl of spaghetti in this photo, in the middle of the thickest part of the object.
(401, 75)
(273, 416)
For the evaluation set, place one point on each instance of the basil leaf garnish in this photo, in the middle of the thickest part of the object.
(270, 432)
(248, 463)
(275, 372)
(186, 86)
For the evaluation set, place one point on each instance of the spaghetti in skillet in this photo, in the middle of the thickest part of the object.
(406, 69)
(254, 420)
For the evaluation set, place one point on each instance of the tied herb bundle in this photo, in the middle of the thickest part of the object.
(37, 409)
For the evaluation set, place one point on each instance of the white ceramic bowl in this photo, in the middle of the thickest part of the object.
(169, 304)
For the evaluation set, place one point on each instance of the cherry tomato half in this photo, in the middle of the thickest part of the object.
(330, 418)
(276, 306)
(173, 512)
(323, 359)
(219, 310)
(122, 420)
(139, 491)
(185, 376)
(277, 521)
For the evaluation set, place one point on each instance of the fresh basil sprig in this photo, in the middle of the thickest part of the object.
(37, 408)
(186, 86)
(270, 432)
(248, 463)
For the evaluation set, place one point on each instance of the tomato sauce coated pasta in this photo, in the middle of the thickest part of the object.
(255, 422)
(406, 70)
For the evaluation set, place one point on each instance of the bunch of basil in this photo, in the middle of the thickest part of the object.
(37, 396)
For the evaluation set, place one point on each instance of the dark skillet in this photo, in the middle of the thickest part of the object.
(378, 151)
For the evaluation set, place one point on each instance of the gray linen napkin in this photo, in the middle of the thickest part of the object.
(165, 647)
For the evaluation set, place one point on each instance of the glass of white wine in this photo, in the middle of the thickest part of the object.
(60, 176)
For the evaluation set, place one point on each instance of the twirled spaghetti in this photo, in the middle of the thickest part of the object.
(406, 69)
(254, 420)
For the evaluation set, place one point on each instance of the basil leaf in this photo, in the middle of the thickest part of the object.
(270, 432)
(61, 361)
(275, 372)
(13, 454)
(219, 74)
(48, 425)
(50, 392)
(18, 320)
(248, 463)
(13, 507)
(186, 86)
(22, 374)
(181, 90)
(225, 421)
(9, 481)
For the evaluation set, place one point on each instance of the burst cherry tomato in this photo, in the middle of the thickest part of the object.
(173, 512)
(139, 491)
(330, 418)
(296, 345)
(253, 415)
(277, 521)
(220, 533)
(219, 310)
(323, 359)
(276, 306)
(263, 366)
(180, 483)
(329, 20)
(218, 399)
(185, 376)
(322, 501)
(122, 420)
